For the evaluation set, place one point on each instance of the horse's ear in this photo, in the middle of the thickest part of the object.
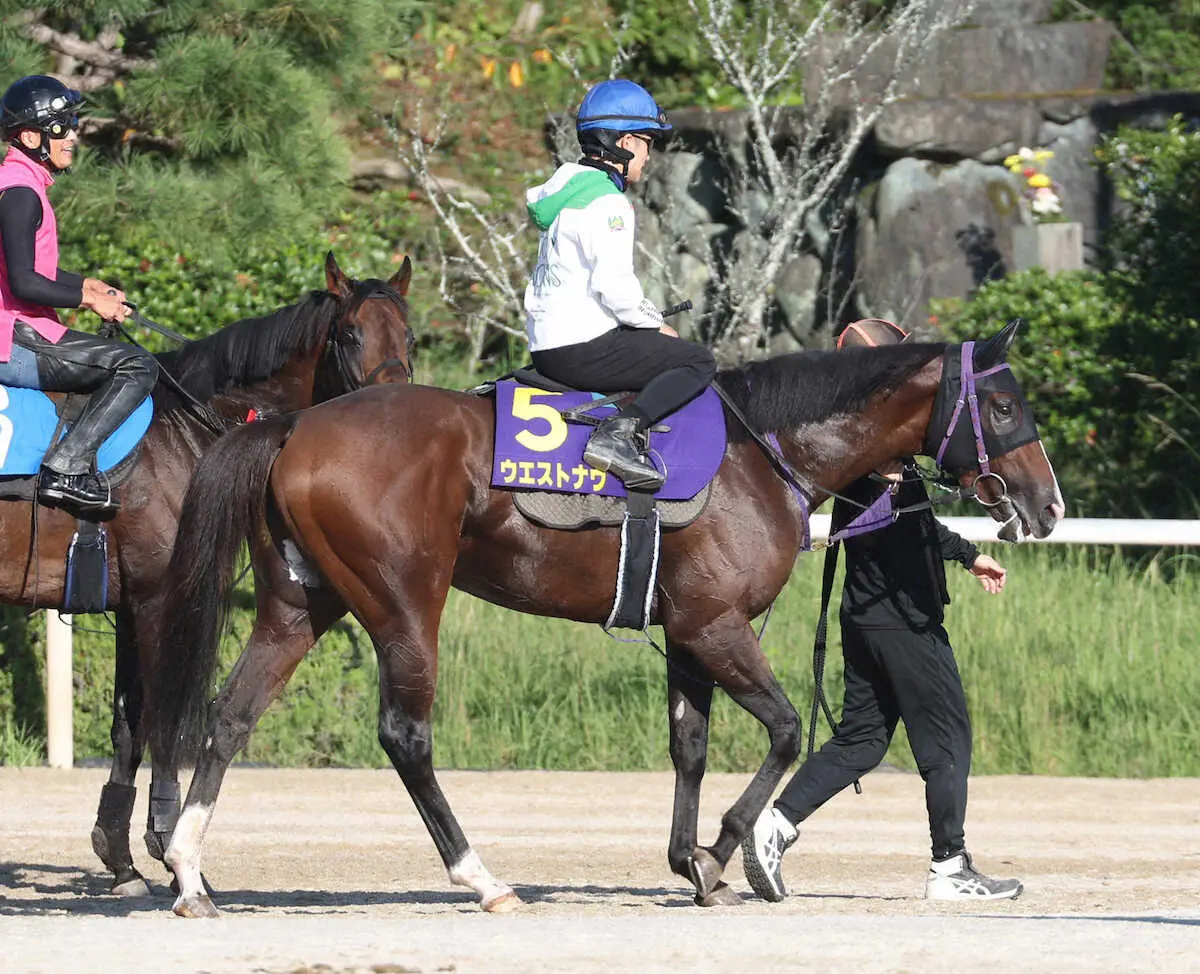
(994, 350)
(400, 280)
(335, 280)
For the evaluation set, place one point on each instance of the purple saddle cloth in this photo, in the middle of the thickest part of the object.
(536, 449)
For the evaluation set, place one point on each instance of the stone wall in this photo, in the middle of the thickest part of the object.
(932, 206)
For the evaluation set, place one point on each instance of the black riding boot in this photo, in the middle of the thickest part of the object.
(613, 447)
(68, 478)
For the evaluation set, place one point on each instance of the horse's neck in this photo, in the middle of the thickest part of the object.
(288, 389)
(833, 454)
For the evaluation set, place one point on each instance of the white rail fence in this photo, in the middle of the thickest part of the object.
(1073, 530)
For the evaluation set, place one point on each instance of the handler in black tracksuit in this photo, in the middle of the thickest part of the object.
(899, 665)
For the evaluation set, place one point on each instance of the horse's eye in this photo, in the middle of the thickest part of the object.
(1004, 408)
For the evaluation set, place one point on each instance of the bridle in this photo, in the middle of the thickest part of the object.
(968, 396)
(343, 358)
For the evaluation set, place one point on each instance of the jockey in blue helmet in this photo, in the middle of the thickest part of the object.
(590, 324)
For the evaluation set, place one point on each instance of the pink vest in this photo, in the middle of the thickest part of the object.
(19, 170)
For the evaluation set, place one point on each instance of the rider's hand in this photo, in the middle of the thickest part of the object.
(104, 299)
(991, 573)
(668, 331)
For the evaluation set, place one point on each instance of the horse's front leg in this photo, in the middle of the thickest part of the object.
(407, 651)
(114, 816)
(730, 654)
(689, 700)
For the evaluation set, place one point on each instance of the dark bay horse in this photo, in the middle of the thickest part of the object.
(329, 343)
(387, 495)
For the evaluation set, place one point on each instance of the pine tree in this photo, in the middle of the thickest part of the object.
(210, 123)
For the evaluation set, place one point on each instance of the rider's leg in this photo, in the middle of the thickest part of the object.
(669, 372)
(117, 376)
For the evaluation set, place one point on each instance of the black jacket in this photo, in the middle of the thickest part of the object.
(895, 577)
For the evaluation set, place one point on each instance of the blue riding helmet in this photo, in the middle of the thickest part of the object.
(613, 109)
(621, 106)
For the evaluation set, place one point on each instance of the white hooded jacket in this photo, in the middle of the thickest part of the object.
(584, 283)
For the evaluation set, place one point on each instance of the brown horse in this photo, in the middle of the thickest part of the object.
(386, 493)
(329, 343)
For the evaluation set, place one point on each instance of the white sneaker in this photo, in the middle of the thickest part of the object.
(957, 878)
(762, 853)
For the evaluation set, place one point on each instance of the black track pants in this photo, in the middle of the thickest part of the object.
(670, 372)
(891, 675)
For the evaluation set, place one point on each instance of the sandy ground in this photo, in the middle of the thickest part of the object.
(332, 872)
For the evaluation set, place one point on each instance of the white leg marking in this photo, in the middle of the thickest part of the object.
(471, 872)
(183, 853)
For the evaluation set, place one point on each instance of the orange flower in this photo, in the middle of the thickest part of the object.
(451, 50)
(516, 76)
(542, 56)
(489, 66)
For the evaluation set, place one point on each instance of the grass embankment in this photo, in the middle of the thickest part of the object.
(1085, 665)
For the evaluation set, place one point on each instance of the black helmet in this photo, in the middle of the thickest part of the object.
(41, 103)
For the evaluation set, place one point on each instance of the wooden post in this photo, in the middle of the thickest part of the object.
(60, 692)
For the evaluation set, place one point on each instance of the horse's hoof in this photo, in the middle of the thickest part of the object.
(722, 895)
(705, 872)
(507, 903)
(195, 908)
(134, 888)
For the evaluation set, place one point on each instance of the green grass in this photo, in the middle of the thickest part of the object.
(1084, 665)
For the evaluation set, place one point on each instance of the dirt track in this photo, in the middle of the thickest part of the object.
(332, 871)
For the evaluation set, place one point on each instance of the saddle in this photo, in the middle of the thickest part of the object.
(30, 421)
(542, 428)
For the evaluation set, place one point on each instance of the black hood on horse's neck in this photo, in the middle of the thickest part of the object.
(787, 391)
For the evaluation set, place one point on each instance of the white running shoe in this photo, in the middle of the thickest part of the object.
(762, 853)
(957, 878)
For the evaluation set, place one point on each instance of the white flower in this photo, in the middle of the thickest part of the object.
(1026, 153)
(1046, 202)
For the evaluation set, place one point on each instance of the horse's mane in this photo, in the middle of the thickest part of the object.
(247, 351)
(787, 391)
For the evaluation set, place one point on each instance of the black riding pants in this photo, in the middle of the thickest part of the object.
(118, 377)
(670, 372)
(891, 675)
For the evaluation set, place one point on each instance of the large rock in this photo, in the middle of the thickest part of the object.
(1008, 13)
(797, 291)
(1039, 59)
(958, 127)
(685, 189)
(1074, 169)
(932, 231)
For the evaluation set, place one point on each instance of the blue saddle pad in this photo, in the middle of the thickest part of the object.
(536, 449)
(27, 424)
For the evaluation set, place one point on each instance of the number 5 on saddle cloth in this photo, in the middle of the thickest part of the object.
(538, 449)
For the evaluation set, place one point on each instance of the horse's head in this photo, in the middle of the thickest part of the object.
(982, 431)
(369, 340)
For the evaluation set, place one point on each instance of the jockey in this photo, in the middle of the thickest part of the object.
(39, 122)
(590, 325)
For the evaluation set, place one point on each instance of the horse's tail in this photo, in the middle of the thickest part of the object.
(224, 504)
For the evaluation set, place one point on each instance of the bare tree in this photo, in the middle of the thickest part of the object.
(855, 59)
(782, 164)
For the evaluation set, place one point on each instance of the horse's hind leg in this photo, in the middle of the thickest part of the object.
(283, 634)
(407, 683)
(114, 816)
(732, 656)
